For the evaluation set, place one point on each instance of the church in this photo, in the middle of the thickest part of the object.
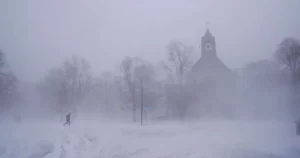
(210, 83)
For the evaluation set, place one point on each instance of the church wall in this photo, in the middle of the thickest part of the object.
(212, 96)
(211, 85)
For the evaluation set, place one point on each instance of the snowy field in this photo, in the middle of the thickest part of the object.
(202, 139)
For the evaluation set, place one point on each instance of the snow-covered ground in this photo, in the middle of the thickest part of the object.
(201, 139)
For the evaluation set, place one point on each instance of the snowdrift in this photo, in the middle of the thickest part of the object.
(209, 139)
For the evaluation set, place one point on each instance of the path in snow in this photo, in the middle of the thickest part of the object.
(226, 139)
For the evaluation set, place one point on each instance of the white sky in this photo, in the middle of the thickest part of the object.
(38, 35)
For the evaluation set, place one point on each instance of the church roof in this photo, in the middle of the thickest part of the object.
(208, 34)
(210, 65)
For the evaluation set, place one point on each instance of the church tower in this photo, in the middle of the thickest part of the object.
(208, 45)
(209, 65)
(210, 82)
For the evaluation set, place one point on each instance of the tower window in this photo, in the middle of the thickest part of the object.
(208, 46)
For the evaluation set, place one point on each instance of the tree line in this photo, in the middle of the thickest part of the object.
(71, 86)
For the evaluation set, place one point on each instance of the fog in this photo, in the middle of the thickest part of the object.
(159, 78)
(47, 32)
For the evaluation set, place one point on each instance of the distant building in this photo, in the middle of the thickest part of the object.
(210, 82)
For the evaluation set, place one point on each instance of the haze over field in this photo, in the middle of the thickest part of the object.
(103, 32)
(150, 79)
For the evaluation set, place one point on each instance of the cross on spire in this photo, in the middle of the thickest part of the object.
(207, 24)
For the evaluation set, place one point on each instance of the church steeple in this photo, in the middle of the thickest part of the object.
(208, 45)
(208, 34)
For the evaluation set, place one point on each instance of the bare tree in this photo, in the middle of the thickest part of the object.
(106, 92)
(8, 87)
(179, 60)
(67, 85)
(288, 54)
(139, 75)
(127, 69)
(178, 63)
(78, 77)
(145, 73)
(170, 75)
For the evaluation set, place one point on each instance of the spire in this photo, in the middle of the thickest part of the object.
(208, 45)
(207, 33)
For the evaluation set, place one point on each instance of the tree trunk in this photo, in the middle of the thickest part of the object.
(142, 100)
(145, 115)
(133, 102)
(133, 113)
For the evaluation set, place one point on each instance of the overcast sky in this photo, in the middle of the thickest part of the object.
(37, 35)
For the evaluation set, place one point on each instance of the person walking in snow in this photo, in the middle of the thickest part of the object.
(68, 119)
